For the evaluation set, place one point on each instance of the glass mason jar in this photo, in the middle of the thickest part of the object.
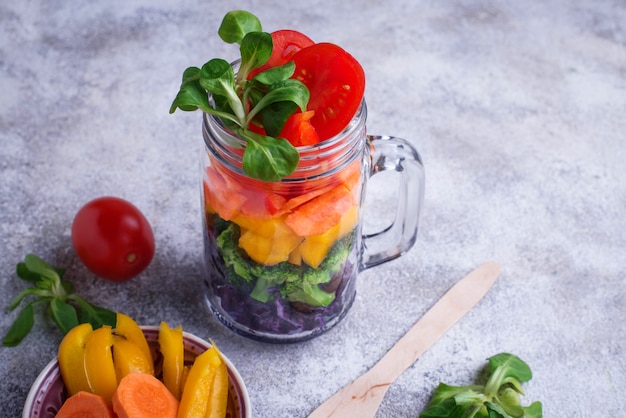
(281, 258)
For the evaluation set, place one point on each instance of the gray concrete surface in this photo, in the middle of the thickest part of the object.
(517, 108)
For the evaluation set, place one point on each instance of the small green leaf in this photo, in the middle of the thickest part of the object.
(236, 24)
(468, 398)
(444, 391)
(511, 366)
(20, 328)
(444, 409)
(495, 410)
(191, 95)
(256, 49)
(95, 315)
(24, 293)
(36, 265)
(286, 91)
(274, 116)
(504, 367)
(276, 74)
(535, 410)
(63, 314)
(191, 74)
(267, 158)
(25, 274)
(217, 77)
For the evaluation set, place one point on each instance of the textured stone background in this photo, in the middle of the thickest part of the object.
(517, 108)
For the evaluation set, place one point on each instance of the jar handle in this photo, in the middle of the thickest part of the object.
(391, 153)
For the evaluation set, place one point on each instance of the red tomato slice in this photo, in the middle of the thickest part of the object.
(286, 43)
(336, 82)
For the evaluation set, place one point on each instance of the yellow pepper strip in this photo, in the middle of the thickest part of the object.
(72, 359)
(173, 351)
(268, 251)
(219, 393)
(99, 362)
(127, 328)
(128, 358)
(197, 399)
(186, 369)
(315, 248)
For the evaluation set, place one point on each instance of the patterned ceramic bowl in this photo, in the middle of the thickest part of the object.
(48, 393)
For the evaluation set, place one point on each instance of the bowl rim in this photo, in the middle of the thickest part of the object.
(53, 364)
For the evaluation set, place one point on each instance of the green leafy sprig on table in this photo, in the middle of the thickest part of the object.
(268, 99)
(498, 398)
(49, 289)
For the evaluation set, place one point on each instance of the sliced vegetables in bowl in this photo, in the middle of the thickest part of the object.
(49, 392)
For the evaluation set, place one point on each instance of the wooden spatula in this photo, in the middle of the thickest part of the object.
(363, 396)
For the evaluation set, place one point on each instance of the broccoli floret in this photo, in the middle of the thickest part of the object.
(295, 283)
(272, 277)
(306, 288)
(307, 292)
(264, 277)
(337, 256)
(226, 242)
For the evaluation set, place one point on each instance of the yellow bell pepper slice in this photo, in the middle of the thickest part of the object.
(268, 251)
(72, 359)
(219, 393)
(173, 351)
(268, 228)
(99, 362)
(128, 358)
(127, 328)
(315, 248)
(295, 257)
(206, 390)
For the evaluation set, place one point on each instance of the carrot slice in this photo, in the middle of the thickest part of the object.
(142, 395)
(294, 202)
(322, 213)
(85, 405)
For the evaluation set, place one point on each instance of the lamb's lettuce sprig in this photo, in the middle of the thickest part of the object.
(48, 288)
(268, 99)
(498, 398)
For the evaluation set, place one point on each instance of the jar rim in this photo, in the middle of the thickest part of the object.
(227, 146)
(340, 149)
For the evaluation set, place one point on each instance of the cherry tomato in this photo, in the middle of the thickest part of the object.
(286, 43)
(336, 82)
(113, 238)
